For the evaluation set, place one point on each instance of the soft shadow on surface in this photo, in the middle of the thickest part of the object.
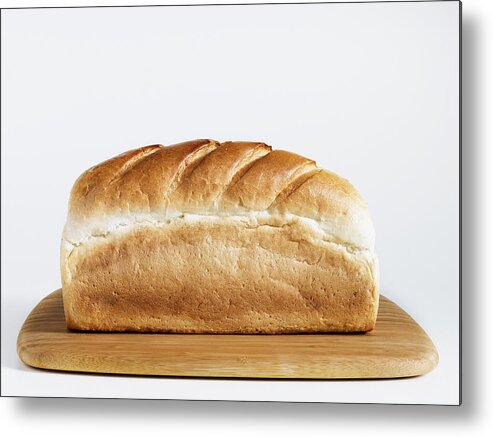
(231, 411)
(471, 189)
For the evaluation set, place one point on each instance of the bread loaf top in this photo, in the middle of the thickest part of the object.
(207, 180)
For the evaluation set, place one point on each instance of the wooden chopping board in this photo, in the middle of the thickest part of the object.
(397, 347)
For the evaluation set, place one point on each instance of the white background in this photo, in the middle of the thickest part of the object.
(206, 417)
(371, 91)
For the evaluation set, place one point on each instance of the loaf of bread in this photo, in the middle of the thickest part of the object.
(208, 237)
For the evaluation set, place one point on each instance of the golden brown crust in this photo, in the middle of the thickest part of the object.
(206, 185)
(210, 237)
(205, 176)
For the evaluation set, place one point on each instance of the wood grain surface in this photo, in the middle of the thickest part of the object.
(397, 347)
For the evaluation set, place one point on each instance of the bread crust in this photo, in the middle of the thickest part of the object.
(203, 237)
(219, 277)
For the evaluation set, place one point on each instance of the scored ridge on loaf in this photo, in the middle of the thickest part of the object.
(206, 177)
